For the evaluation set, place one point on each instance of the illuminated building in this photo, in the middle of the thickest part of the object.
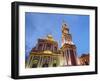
(84, 59)
(47, 54)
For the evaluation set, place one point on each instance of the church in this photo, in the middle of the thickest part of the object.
(46, 53)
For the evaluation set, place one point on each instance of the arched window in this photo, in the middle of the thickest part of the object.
(35, 61)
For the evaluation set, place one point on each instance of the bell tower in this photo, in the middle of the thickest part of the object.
(66, 36)
(68, 47)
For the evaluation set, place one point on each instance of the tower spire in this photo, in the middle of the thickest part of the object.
(64, 24)
(66, 36)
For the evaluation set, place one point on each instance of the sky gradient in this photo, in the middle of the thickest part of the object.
(39, 25)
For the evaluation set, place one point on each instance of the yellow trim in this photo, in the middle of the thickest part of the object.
(47, 52)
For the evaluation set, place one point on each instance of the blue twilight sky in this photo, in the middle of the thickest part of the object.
(39, 25)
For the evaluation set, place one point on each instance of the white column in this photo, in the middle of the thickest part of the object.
(50, 63)
(75, 56)
(65, 63)
(77, 59)
(69, 62)
(31, 62)
(39, 63)
(67, 57)
(61, 59)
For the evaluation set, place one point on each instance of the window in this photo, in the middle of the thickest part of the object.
(54, 63)
(35, 61)
(46, 61)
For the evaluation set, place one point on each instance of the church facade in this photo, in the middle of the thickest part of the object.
(47, 54)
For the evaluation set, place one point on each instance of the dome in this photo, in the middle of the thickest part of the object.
(49, 37)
